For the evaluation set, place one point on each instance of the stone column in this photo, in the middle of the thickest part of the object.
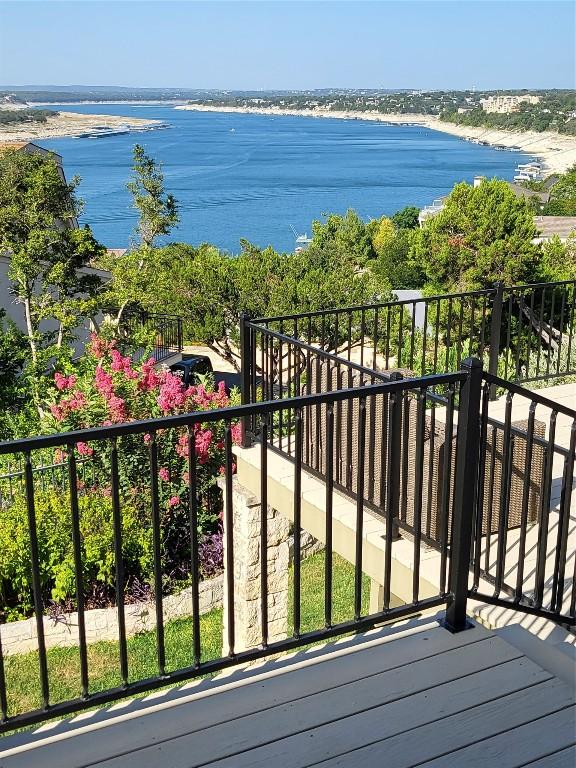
(247, 558)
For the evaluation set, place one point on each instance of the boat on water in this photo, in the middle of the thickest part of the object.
(302, 241)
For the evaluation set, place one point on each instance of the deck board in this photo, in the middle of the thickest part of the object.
(503, 714)
(518, 746)
(400, 695)
(341, 714)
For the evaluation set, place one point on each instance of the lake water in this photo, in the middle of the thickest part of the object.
(254, 176)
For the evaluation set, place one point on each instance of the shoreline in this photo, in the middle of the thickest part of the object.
(74, 125)
(556, 151)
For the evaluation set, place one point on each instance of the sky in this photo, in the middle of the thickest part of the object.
(289, 44)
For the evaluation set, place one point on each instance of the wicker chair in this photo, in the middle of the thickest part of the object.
(326, 376)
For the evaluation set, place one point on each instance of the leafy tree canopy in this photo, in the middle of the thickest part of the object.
(407, 218)
(346, 237)
(563, 195)
(483, 234)
(157, 211)
(38, 211)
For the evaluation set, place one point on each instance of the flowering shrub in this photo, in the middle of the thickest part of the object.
(107, 388)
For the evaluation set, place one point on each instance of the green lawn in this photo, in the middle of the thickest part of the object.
(64, 665)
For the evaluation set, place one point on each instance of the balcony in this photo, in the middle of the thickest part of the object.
(419, 457)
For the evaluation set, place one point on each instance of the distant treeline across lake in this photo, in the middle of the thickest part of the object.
(254, 176)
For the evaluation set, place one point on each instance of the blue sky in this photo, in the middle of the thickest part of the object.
(289, 44)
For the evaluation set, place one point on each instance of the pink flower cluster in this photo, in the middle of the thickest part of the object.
(123, 365)
(172, 395)
(99, 346)
(84, 449)
(64, 382)
(67, 405)
(150, 377)
(202, 442)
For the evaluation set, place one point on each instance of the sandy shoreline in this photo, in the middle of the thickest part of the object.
(556, 152)
(74, 124)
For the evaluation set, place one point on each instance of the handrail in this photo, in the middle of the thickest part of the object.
(532, 395)
(26, 444)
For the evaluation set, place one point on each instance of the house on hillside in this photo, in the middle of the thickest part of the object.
(554, 226)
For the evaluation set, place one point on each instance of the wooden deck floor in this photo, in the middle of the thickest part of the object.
(398, 697)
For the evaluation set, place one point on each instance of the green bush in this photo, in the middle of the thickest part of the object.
(56, 554)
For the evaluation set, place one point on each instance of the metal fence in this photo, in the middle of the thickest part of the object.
(162, 333)
(111, 442)
(522, 333)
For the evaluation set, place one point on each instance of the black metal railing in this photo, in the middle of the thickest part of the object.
(113, 449)
(162, 334)
(521, 333)
(523, 543)
(525, 481)
(341, 404)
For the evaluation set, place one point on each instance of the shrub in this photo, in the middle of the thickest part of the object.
(56, 555)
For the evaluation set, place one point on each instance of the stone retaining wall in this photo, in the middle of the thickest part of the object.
(102, 623)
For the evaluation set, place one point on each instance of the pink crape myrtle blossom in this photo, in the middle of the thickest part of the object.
(84, 449)
(64, 382)
(164, 474)
(150, 378)
(174, 501)
(103, 382)
(123, 365)
(172, 395)
(99, 346)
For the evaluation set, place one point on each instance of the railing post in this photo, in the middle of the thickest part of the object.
(465, 486)
(245, 376)
(180, 335)
(495, 331)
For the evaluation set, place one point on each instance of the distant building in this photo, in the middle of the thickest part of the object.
(554, 226)
(507, 104)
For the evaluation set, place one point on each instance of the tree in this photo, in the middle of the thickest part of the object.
(383, 234)
(407, 218)
(346, 237)
(563, 195)
(397, 264)
(48, 254)
(559, 259)
(13, 348)
(157, 211)
(482, 235)
(135, 271)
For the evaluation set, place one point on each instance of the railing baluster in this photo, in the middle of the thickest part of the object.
(264, 529)
(36, 582)
(77, 548)
(194, 554)
(118, 561)
(392, 505)
(481, 485)
(563, 524)
(505, 488)
(525, 502)
(297, 520)
(541, 550)
(490, 504)
(359, 509)
(229, 527)
(418, 490)
(328, 523)
(157, 555)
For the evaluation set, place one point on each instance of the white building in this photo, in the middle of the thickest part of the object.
(507, 104)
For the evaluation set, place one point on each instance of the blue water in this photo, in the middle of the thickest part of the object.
(252, 176)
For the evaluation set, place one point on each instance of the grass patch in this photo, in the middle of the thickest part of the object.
(21, 671)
